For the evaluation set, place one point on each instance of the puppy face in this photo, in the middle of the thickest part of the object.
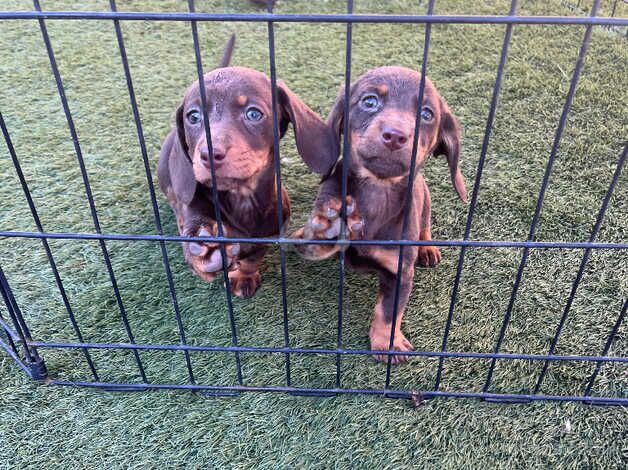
(239, 110)
(382, 115)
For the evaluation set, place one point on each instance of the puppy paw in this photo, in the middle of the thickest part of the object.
(244, 285)
(380, 341)
(205, 258)
(429, 256)
(325, 223)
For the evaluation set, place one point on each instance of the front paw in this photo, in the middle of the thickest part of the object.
(205, 258)
(429, 256)
(325, 223)
(380, 341)
(244, 285)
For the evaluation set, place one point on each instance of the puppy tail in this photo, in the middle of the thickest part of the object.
(226, 55)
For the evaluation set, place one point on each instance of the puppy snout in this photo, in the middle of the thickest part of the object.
(393, 138)
(219, 156)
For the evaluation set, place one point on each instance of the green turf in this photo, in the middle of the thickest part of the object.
(46, 426)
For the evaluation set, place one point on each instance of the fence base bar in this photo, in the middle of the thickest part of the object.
(417, 396)
(313, 393)
(510, 401)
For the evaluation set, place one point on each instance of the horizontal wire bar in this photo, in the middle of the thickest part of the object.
(283, 350)
(409, 394)
(297, 241)
(312, 18)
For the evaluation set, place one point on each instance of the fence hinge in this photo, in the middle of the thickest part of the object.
(37, 368)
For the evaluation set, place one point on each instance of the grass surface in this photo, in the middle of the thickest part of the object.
(47, 426)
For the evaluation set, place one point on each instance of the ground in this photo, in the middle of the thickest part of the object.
(53, 426)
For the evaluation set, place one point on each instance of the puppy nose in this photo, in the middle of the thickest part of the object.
(219, 155)
(394, 139)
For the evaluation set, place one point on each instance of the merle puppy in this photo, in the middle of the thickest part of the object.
(382, 116)
(239, 110)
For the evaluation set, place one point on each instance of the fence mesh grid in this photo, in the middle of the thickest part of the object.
(29, 352)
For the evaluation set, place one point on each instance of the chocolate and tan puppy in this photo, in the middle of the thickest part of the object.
(239, 110)
(382, 116)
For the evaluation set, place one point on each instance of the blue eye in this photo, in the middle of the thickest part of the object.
(194, 117)
(370, 102)
(254, 114)
(427, 114)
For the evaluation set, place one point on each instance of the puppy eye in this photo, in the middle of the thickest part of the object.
(370, 102)
(194, 117)
(427, 114)
(254, 114)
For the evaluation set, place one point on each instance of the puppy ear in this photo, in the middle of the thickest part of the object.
(448, 144)
(315, 141)
(180, 164)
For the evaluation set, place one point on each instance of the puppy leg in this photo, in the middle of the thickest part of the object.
(325, 223)
(429, 256)
(382, 323)
(246, 278)
(204, 258)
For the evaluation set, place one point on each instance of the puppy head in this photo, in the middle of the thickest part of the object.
(239, 109)
(382, 115)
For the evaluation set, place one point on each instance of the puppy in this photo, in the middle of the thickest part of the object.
(382, 115)
(239, 109)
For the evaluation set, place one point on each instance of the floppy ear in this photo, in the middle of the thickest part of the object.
(448, 144)
(180, 165)
(315, 141)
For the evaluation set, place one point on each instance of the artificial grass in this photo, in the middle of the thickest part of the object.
(180, 429)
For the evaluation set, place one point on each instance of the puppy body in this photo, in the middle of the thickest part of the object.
(382, 115)
(239, 110)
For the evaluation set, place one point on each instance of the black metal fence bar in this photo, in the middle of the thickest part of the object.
(408, 394)
(223, 253)
(277, 156)
(346, 156)
(583, 263)
(409, 191)
(546, 177)
(313, 18)
(291, 241)
(21, 328)
(476, 189)
(88, 191)
(151, 187)
(46, 246)
(262, 349)
(607, 347)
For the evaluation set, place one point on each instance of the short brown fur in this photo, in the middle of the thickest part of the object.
(382, 114)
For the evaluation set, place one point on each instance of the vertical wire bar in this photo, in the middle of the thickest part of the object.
(346, 155)
(539, 203)
(409, 193)
(88, 191)
(277, 157)
(16, 317)
(7, 331)
(583, 265)
(44, 242)
(208, 136)
(607, 347)
(151, 189)
(476, 189)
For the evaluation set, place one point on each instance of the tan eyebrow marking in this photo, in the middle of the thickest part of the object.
(382, 89)
(241, 100)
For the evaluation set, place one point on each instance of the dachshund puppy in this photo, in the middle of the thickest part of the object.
(239, 109)
(382, 117)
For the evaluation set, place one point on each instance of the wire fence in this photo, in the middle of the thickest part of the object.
(29, 353)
